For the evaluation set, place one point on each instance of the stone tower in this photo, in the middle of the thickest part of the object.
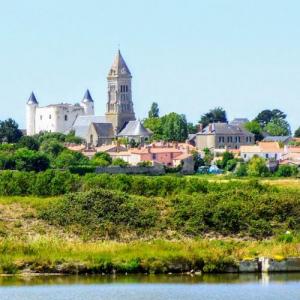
(87, 103)
(119, 110)
(31, 106)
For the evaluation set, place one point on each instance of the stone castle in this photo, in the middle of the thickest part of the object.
(119, 119)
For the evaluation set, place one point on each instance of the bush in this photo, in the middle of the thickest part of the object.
(286, 171)
(28, 142)
(241, 170)
(257, 167)
(103, 212)
(29, 160)
(145, 163)
(101, 159)
(68, 158)
(119, 162)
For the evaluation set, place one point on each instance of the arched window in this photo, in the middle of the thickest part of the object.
(66, 117)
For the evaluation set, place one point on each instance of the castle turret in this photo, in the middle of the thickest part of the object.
(88, 103)
(119, 110)
(31, 106)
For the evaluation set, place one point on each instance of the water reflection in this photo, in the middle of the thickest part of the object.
(148, 279)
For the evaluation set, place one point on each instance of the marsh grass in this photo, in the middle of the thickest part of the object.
(52, 255)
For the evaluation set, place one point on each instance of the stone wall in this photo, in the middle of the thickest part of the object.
(155, 170)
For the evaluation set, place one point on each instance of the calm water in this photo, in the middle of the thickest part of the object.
(208, 287)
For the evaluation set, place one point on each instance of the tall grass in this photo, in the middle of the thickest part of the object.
(51, 255)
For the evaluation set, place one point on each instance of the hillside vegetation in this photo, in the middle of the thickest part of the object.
(119, 223)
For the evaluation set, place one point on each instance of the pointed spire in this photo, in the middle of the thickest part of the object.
(87, 97)
(119, 66)
(32, 99)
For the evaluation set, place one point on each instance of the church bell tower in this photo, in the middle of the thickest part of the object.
(119, 109)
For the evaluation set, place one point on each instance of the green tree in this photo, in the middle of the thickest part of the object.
(267, 115)
(297, 132)
(68, 158)
(29, 160)
(154, 111)
(255, 128)
(52, 147)
(9, 131)
(215, 115)
(28, 142)
(208, 156)
(191, 128)
(101, 159)
(278, 127)
(71, 138)
(257, 167)
(156, 126)
(174, 127)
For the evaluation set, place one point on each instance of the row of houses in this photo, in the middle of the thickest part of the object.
(272, 151)
(168, 154)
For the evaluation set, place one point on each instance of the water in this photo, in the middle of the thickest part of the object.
(207, 287)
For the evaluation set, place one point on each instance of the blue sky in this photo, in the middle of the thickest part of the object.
(189, 56)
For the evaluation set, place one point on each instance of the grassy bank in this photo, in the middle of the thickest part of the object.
(144, 224)
(52, 255)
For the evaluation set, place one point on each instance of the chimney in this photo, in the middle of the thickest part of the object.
(210, 126)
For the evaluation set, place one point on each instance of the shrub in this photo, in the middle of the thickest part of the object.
(103, 212)
(29, 160)
(68, 158)
(145, 163)
(101, 159)
(286, 171)
(120, 162)
(28, 142)
(257, 167)
(241, 170)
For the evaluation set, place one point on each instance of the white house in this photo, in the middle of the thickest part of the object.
(267, 150)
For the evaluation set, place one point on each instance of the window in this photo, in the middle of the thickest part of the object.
(41, 117)
(239, 139)
(66, 117)
(247, 139)
(267, 155)
(221, 139)
(154, 156)
(50, 117)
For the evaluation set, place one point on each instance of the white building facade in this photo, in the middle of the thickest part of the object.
(55, 117)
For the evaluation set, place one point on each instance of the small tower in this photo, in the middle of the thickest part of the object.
(87, 103)
(31, 106)
(119, 109)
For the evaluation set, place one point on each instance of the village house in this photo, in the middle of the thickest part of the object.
(291, 156)
(267, 150)
(223, 136)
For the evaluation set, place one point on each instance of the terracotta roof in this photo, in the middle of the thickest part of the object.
(121, 153)
(183, 156)
(262, 147)
(76, 147)
(107, 148)
(156, 150)
(293, 149)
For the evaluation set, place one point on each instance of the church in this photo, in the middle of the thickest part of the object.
(118, 121)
